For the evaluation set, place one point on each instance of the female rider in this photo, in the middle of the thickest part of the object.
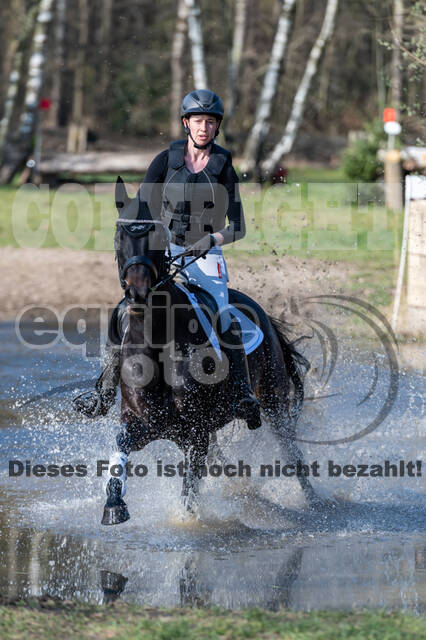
(199, 190)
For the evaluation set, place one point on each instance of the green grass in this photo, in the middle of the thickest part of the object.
(120, 621)
(315, 174)
(71, 217)
(317, 219)
(315, 215)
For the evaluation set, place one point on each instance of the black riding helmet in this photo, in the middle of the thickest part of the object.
(203, 102)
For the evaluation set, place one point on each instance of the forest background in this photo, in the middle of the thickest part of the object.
(119, 69)
(304, 84)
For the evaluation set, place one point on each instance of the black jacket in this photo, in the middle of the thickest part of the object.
(193, 204)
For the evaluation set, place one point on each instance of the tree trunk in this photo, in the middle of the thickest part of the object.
(15, 75)
(77, 131)
(299, 18)
(286, 143)
(60, 15)
(17, 150)
(324, 83)
(398, 9)
(14, 78)
(197, 49)
(235, 64)
(178, 47)
(261, 125)
(105, 38)
(11, 20)
(380, 74)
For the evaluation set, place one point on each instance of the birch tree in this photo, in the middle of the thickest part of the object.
(197, 47)
(59, 33)
(15, 76)
(18, 150)
(235, 63)
(10, 97)
(178, 46)
(398, 9)
(11, 21)
(106, 22)
(285, 145)
(261, 126)
(77, 132)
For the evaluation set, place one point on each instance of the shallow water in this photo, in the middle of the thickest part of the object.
(256, 543)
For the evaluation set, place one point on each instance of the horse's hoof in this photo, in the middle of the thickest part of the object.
(254, 421)
(115, 515)
(115, 511)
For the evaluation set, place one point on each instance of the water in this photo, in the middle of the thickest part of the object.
(256, 542)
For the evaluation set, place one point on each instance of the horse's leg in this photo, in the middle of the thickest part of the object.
(286, 434)
(215, 452)
(115, 510)
(195, 458)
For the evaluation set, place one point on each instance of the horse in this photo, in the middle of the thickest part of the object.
(173, 384)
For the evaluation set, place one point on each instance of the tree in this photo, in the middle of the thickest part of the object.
(197, 48)
(235, 64)
(77, 131)
(178, 46)
(396, 80)
(285, 145)
(18, 146)
(261, 126)
(59, 32)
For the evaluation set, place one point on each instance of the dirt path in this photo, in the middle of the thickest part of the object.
(60, 278)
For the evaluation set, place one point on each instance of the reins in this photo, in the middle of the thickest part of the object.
(169, 260)
(177, 270)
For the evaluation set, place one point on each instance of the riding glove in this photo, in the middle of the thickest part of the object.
(202, 246)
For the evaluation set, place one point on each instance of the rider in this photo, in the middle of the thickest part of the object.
(196, 163)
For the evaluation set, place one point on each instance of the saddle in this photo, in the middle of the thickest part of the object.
(252, 335)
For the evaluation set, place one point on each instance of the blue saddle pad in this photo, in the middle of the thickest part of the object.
(252, 335)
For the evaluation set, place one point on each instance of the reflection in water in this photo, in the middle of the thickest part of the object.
(193, 593)
(327, 572)
(113, 585)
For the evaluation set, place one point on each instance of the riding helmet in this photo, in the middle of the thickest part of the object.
(202, 101)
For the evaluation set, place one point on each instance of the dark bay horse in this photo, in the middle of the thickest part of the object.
(173, 384)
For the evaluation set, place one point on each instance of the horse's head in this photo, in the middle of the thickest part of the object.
(140, 244)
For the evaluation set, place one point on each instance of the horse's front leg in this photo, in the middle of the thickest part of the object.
(195, 449)
(115, 510)
(287, 438)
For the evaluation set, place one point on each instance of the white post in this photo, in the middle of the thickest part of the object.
(403, 253)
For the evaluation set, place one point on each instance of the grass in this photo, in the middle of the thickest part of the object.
(44, 618)
(316, 214)
(330, 220)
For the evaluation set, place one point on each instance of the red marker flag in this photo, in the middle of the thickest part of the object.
(389, 115)
(45, 104)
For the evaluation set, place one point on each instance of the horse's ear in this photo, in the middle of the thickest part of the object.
(122, 200)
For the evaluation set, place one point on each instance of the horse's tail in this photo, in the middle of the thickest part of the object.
(296, 364)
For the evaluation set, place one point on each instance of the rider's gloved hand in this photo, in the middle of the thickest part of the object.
(202, 246)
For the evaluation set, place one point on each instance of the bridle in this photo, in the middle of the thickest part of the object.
(137, 228)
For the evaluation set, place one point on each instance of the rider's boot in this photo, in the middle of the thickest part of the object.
(247, 406)
(98, 402)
